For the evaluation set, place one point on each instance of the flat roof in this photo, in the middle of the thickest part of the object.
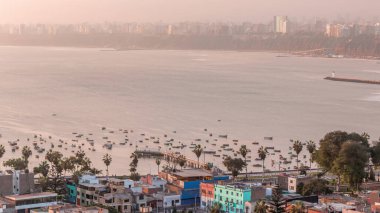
(31, 196)
(96, 185)
(192, 173)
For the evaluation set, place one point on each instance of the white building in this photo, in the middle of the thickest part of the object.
(281, 24)
(88, 178)
(32, 201)
(169, 200)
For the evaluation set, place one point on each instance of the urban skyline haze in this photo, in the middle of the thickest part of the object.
(77, 11)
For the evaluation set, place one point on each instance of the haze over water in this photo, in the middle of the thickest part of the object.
(157, 92)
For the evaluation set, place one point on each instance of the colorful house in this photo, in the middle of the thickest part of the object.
(232, 197)
(71, 191)
(207, 194)
(187, 182)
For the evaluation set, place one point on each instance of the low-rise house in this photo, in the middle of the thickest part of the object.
(282, 181)
(26, 202)
(69, 209)
(232, 197)
(207, 194)
(86, 193)
(16, 182)
(186, 182)
(295, 181)
(154, 181)
(119, 198)
(6, 206)
(169, 199)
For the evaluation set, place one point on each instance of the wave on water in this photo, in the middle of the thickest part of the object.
(374, 97)
(199, 59)
(372, 71)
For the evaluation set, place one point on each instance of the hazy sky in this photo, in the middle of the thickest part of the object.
(75, 11)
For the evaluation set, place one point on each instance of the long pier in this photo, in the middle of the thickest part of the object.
(353, 80)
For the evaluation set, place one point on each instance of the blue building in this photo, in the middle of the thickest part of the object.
(71, 191)
(187, 182)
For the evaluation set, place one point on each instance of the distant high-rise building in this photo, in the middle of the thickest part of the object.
(281, 24)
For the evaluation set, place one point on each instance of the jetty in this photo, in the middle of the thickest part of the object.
(352, 80)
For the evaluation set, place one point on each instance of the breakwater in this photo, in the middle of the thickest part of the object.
(353, 80)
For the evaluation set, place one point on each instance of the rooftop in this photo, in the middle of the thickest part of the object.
(95, 185)
(31, 196)
(186, 173)
(234, 185)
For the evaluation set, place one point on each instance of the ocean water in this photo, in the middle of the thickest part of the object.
(178, 93)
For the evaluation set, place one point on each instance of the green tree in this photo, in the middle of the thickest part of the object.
(277, 203)
(26, 153)
(133, 167)
(316, 187)
(181, 161)
(260, 207)
(216, 208)
(107, 159)
(158, 163)
(198, 150)
(298, 207)
(234, 165)
(43, 169)
(262, 152)
(243, 152)
(329, 149)
(16, 163)
(351, 162)
(375, 154)
(56, 180)
(297, 147)
(311, 147)
(2, 150)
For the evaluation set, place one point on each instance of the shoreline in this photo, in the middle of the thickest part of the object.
(283, 54)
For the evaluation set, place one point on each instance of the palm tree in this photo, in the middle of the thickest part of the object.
(198, 152)
(260, 207)
(311, 147)
(2, 150)
(297, 147)
(243, 152)
(262, 155)
(107, 159)
(298, 207)
(26, 153)
(158, 162)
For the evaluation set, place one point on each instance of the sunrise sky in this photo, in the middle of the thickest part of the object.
(75, 11)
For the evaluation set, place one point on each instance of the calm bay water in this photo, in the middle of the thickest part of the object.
(158, 92)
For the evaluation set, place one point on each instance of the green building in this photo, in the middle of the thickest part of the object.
(232, 197)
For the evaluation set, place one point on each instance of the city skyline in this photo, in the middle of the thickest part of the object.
(54, 11)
